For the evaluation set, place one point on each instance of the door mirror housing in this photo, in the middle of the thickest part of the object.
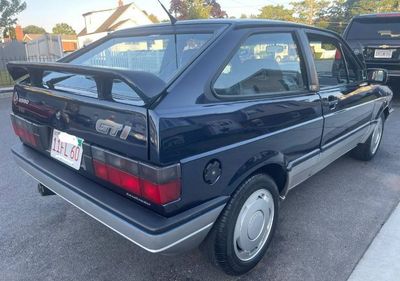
(377, 75)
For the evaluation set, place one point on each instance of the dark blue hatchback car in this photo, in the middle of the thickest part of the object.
(179, 134)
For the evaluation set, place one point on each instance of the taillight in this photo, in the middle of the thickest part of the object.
(155, 184)
(338, 55)
(25, 132)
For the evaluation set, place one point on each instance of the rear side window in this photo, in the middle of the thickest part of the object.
(329, 60)
(265, 64)
(71, 83)
(161, 55)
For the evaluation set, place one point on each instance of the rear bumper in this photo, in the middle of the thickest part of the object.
(152, 232)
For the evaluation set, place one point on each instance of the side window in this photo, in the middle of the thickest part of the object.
(265, 64)
(329, 61)
(354, 69)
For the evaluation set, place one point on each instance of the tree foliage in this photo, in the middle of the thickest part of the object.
(9, 9)
(310, 11)
(276, 12)
(63, 28)
(33, 29)
(196, 9)
(9, 32)
(373, 6)
(153, 18)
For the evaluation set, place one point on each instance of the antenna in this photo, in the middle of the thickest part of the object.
(171, 17)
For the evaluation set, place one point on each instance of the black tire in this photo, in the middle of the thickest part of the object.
(219, 245)
(367, 151)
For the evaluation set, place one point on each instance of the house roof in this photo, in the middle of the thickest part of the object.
(68, 37)
(118, 12)
(83, 32)
(118, 24)
(30, 37)
(110, 23)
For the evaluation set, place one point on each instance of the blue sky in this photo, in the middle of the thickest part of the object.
(47, 13)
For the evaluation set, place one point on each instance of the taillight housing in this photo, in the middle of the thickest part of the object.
(25, 130)
(158, 185)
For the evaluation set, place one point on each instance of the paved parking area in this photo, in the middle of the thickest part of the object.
(326, 224)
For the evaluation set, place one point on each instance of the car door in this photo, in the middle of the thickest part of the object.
(346, 98)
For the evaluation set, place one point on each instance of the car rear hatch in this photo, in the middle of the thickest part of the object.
(92, 133)
(376, 37)
(96, 119)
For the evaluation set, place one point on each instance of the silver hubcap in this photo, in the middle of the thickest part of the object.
(253, 225)
(376, 136)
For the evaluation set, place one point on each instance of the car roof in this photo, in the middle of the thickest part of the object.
(378, 15)
(233, 22)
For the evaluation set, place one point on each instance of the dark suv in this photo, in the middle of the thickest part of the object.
(376, 37)
(174, 135)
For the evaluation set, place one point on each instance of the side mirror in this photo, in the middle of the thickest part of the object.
(377, 75)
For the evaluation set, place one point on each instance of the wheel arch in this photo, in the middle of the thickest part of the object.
(270, 163)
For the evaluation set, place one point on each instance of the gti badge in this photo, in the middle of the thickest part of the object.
(109, 127)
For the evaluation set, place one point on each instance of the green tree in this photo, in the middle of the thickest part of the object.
(153, 18)
(63, 28)
(9, 9)
(310, 11)
(34, 29)
(373, 6)
(9, 32)
(196, 9)
(276, 12)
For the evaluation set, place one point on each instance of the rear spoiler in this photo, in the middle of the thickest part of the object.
(146, 85)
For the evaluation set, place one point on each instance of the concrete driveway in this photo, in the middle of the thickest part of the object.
(325, 226)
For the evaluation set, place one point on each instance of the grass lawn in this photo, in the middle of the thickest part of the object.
(5, 79)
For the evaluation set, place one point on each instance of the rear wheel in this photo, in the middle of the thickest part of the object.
(367, 151)
(242, 233)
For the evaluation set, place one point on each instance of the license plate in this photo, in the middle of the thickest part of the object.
(383, 54)
(67, 149)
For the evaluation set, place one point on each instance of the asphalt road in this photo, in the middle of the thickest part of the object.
(325, 226)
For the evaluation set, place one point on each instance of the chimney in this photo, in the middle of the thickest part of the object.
(19, 34)
(120, 3)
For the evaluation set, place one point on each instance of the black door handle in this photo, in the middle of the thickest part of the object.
(332, 102)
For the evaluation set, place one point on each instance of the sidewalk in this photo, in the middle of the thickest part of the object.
(381, 261)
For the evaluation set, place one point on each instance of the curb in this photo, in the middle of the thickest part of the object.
(6, 92)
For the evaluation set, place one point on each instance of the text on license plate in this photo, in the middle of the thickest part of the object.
(67, 149)
(383, 54)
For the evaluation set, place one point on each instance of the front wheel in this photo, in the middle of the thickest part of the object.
(367, 151)
(241, 235)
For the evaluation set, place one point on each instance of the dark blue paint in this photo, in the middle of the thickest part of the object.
(190, 125)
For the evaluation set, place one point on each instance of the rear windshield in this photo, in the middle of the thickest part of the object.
(382, 28)
(161, 55)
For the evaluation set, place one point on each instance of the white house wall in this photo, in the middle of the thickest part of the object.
(94, 20)
(90, 38)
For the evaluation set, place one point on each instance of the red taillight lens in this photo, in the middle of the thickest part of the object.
(156, 185)
(24, 133)
(338, 55)
(161, 194)
(100, 170)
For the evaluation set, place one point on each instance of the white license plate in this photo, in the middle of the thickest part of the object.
(67, 149)
(383, 54)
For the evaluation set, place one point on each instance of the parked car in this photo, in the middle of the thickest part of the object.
(376, 38)
(199, 144)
